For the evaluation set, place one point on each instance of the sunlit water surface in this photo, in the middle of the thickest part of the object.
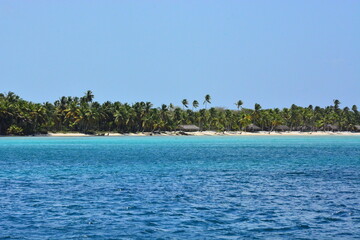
(180, 188)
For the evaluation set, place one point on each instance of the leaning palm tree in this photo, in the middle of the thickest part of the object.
(257, 107)
(207, 100)
(195, 104)
(185, 103)
(354, 108)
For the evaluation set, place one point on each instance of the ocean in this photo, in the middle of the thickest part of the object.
(241, 187)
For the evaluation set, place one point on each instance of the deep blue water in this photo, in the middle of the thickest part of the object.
(180, 188)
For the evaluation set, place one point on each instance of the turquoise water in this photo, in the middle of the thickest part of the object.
(248, 187)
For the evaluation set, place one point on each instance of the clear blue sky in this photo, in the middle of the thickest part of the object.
(271, 52)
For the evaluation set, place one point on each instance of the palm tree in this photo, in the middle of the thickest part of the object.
(195, 104)
(354, 108)
(163, 112)
(12, 97)
(185, 103)
(213, 116)
(171, 107)
(336, 104)
(239, 104)
(207, 100)
(72, 114)
(245, 121)
(89, 96)
(202, 119)
(256, 114)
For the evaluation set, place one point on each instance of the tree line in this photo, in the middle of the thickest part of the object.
(83, 114)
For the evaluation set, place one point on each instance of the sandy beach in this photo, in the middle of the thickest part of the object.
(207, 133)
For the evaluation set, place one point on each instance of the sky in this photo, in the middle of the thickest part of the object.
(274, 53)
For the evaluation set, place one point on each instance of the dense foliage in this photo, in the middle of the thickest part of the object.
(20, 117)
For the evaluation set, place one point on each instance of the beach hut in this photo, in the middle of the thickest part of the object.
(252, 128)
(330, 127)
(357, 128)
(188, 128)
(305, 128)
(282, 128)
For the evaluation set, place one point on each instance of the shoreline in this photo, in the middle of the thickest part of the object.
(203, 133)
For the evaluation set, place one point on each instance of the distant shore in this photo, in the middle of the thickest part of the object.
(205, 133)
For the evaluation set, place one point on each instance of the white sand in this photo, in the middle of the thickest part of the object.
(211, 133)
(265, 133)
(67, 135)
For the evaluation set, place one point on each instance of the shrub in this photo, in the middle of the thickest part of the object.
(43, 131)
(15, 130)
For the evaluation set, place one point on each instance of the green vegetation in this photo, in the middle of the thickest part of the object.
(15, 130)
(74, 114)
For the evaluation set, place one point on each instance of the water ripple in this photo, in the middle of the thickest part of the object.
(177, 188)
